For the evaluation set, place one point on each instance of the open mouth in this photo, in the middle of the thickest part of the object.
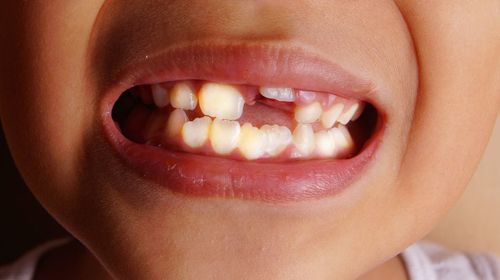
(266, 124)
(198, 135)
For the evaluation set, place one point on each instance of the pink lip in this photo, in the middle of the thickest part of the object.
(198, 175)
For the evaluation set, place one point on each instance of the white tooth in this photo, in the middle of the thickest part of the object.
(309, 113)
(349, 112)
(195, 133)
(182, 96)
(329, 117)
(175, 122)
(325, 143)
(343, 140)
(221, 101)
(224, 136)
(277, 139)
(280, 94)
(303, 138)
(251, 144)
(160, 96)
(359, 111)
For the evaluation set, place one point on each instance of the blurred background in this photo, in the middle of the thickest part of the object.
(473, 224)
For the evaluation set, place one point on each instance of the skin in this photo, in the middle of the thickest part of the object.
(437, 64)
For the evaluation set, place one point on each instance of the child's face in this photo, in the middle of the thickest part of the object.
(430, 68)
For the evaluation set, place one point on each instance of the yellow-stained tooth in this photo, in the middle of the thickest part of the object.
(175, 122)
(251, 143)
(221, 101)
(195, 133)
(277, 139)
(324, 143)
(224, 136)
(308, 113)
(182, 96)
(160, 95)
(303, 139)
(330, 116)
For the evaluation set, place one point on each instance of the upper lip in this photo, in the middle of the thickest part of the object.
(271, 64)
(242, 63)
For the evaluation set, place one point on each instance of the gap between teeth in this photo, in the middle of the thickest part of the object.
(223, 105)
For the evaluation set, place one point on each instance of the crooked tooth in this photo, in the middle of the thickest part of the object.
(303, 139)
(359, 111)
(175, 122)
(350, 111)
(251, 143)
(325, 143)
(277, 139)
(221, 101)
(308, 113)
(195, 133)
(182, 96)
(224, 136)
(343, 140)
(160, 96)
(330, 117)
(280, 94)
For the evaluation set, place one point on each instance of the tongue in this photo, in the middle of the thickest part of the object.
(260, 114)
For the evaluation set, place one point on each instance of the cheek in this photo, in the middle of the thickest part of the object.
(47, 112)
(457, 103)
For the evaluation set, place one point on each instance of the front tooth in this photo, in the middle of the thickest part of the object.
(224, 136)
(160, 96)
(277, 138)
(280, 94)
(182, 96)
(309, 113)
(325, 143)
(221, 101)
(329, 117)
(195, 133)
(175, 122)
(251, 144)
(343, 140)
(350, 112)
(303, 139)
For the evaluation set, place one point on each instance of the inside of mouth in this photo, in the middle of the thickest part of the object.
(244, 122)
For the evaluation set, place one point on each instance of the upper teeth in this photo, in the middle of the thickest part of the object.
(182, 96)
(280, 94)
(223, 104)
(221, 101)
(308, 113)
(160, 96)
(350, 111)
(330, 117)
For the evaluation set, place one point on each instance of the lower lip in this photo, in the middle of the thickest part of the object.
(203, 176)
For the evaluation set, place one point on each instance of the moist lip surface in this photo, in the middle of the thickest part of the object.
(243, 64)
